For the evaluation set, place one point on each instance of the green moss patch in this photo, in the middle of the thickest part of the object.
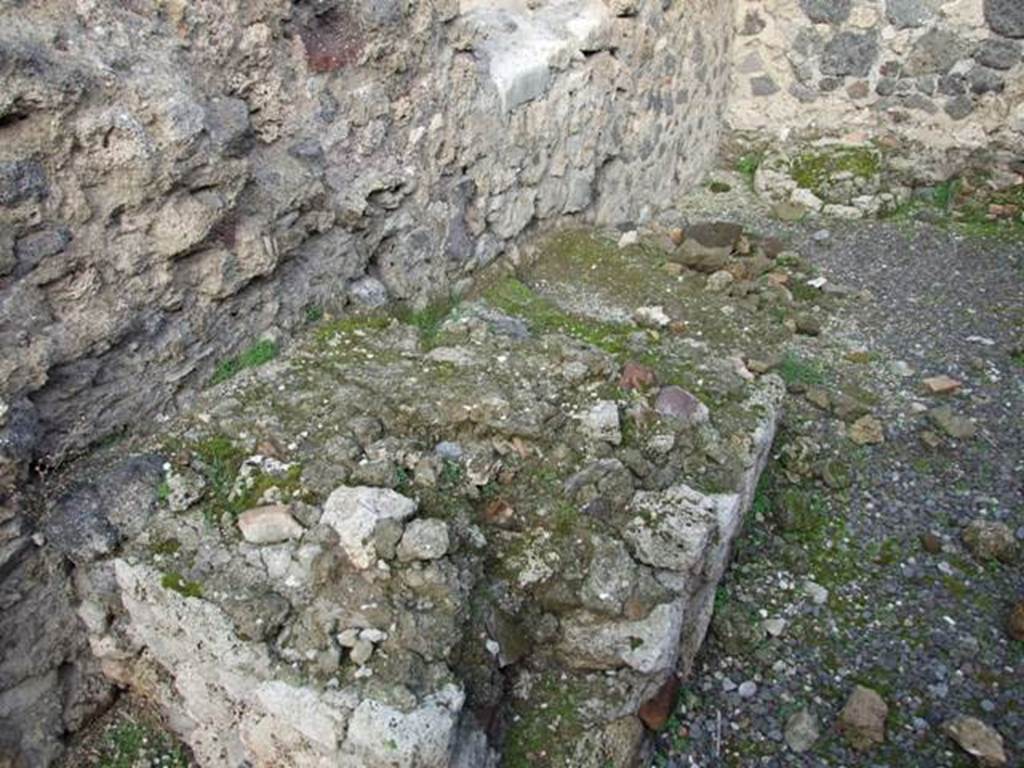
(813, 170)
(130, 744)
(175, 582)
(545, 731)
(258, 354)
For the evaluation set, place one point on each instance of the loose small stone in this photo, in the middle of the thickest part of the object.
(801, 731)
(867, 430)
(977, 739)
(942, 385)
(862, 721)
(269, 525)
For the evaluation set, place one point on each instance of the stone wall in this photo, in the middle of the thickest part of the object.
(177, 178)
(941, 74)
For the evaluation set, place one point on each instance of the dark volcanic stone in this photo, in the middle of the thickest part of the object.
(935, 51)
(21, 180)
(907, 14)
(1005, 17)
(715, 234)
(827, 11)
(998, 54)
(87, 521)
(850, 53)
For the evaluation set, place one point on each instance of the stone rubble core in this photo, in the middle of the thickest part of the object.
(493, 572)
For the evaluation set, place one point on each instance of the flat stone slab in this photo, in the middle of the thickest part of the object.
(522, 47)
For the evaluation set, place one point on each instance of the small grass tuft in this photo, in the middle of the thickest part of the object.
(795, 369)
(429, 320)
(748, 165)
(259, 353)
(130, 744)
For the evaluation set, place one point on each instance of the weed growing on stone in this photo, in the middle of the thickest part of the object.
(129, 744)
(351, 324)
(748, 165)
(314, 314)
(428, 320)
(795, 369)
(259, 353)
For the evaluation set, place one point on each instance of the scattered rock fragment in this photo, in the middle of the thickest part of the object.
(499, 512)
(760, 366)
(651, 317)
(354, 513)
(632, 237)
(637, 376)
(818, 396)
(1015, 622)
(862, 721)
(719, 281)
(709, 245)
(849, 408)
(185, 487)
(941, 385)
(271, 524)
(424, 540)
(977, 739)
(990, 540)
(808, 325)
(601, 422)
(788, 211)
(801, 731)
(361, 652)
(656, 711)
(867, 430)
(676, 403)
(774, 627)
(715, 234)
(951, 423)
(817, 593)
(931, 543)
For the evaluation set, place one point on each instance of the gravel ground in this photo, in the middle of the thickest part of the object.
(911, 612)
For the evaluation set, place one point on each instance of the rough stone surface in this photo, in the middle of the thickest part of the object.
(827, 11)
(602, 422)
(355, 513)
(676, 403)
(1005, 17)
(977, 739)
(424, 540)
(269, 525)
(990, 540)
(871, 73)
(862, 720)
(801, 731)
(295, 158)
(849, 53)
(501, 557)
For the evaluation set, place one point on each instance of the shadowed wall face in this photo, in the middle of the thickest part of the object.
(250, 164)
